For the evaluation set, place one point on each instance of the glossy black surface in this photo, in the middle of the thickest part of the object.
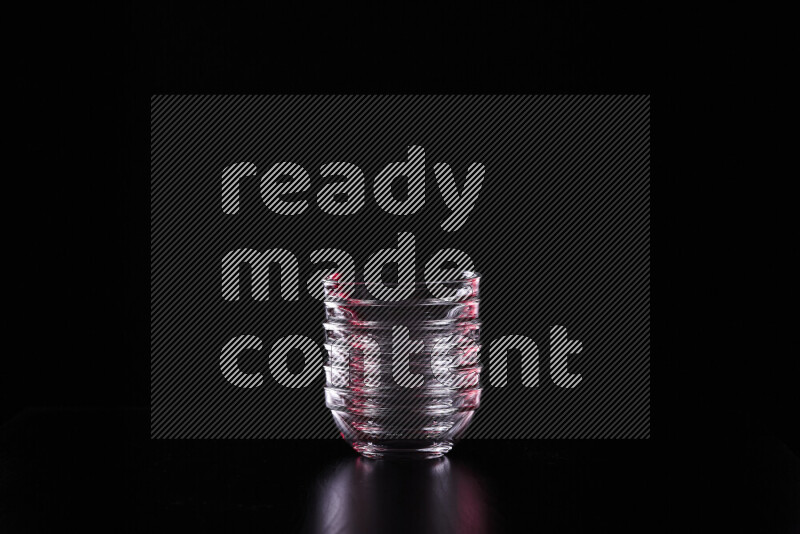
(97, 469)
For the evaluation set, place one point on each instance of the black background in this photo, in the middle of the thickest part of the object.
(75, 409)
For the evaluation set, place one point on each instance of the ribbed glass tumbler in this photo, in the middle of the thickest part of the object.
(402, 375)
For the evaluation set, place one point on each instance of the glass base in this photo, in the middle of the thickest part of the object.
(402, 449)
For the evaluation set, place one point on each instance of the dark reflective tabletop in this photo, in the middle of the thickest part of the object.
(361, 495)
(62, 470)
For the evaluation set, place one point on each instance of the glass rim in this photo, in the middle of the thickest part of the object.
(466, 276)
